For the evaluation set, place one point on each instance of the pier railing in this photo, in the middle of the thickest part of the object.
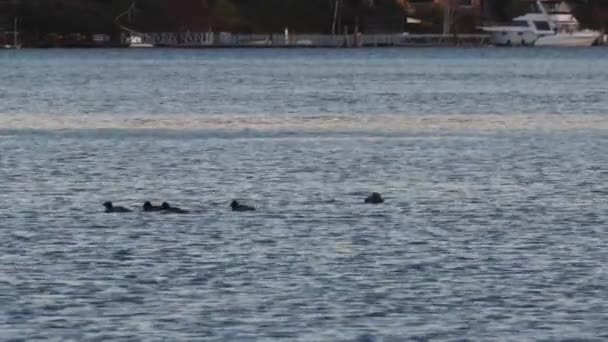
(215, 39)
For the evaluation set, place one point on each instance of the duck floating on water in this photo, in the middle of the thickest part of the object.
(236, 206)
(374, 198)
(149, 207)
(165, 207)
(110, 208)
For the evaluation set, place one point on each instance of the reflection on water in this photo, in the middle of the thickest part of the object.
(493, 223)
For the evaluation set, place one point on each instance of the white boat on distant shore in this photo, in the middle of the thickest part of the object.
(138, 42)
(549, 23)
(134, 39)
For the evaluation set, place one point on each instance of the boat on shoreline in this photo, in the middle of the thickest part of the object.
(548, 23)
(138, 42)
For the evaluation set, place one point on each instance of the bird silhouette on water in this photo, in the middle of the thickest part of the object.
(149, 207)
(236, 206)
(374, 198)
(110, 208)
(165, 207)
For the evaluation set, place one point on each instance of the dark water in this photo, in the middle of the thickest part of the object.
(492, 163)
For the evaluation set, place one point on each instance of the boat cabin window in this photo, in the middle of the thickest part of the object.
(542, 26)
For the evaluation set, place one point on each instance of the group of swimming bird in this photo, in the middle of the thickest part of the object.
(374, 198)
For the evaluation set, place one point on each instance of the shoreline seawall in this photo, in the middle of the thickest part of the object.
(204, 40)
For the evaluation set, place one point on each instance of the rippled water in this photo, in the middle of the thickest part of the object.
(492, 163)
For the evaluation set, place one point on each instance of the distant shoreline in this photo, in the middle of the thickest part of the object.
(253, 47)
(207, 40)
(249, 47)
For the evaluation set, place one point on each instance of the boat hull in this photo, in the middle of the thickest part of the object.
(502, 38)
(579, 39)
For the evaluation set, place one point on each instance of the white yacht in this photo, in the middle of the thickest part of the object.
(549, 23)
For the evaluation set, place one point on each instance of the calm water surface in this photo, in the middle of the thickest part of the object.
(492, 163)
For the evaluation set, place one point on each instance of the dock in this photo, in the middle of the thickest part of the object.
(286, 40)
